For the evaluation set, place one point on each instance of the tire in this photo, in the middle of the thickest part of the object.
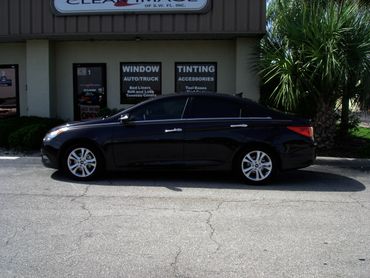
(82, 162)
(256, 166)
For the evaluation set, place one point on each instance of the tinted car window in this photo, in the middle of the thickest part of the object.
(214, 107)
(163, 109)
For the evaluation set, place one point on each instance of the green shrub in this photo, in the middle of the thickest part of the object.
(25, 132)
(8, 126)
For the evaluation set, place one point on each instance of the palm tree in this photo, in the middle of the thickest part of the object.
(356, 49)
(308, 57)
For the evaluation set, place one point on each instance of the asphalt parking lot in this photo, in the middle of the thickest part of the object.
(311, 223)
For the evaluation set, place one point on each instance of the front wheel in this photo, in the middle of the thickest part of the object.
(82, 162)
(257, 166)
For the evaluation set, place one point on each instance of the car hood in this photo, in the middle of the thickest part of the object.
(81, 123)
(87, 122)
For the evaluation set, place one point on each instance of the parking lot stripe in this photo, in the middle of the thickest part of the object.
(9, 157)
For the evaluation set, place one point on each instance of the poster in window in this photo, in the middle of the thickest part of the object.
(140, 81)
(90, 90)
(8, 91)
(196, 77)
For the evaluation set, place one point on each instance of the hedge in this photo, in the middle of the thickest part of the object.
(25, 133)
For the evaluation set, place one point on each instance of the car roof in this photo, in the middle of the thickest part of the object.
(205, 94)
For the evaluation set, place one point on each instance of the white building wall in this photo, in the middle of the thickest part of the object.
(48, 68)
(39, 78)
(247, 81)
(168, 52)
(15, 53)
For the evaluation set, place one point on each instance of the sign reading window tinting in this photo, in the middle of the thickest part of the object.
(65, 7)
(140, 81)
(196, 77)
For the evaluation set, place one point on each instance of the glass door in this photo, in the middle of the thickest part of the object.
(89, 90)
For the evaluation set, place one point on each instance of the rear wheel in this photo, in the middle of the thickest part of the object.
(257, 166)
(82, 162)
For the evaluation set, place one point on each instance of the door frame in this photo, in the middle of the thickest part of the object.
(75, 83)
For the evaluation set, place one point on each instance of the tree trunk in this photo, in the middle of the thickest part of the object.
(325, 125)
(344, 121)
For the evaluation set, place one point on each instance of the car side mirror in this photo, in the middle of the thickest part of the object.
(124, 119)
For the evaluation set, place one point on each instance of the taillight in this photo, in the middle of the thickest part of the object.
(306, 131)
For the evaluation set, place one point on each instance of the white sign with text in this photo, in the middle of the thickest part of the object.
(128, 6)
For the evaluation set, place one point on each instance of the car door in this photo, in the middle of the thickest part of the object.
(214, 131)
(152, 136)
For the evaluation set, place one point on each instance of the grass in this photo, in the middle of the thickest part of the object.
(362, 132)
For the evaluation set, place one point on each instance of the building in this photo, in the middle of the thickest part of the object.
(69, 58)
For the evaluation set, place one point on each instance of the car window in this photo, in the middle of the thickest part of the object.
(215, 107)
(164, 109)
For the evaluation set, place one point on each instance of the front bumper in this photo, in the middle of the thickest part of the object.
(49, 157)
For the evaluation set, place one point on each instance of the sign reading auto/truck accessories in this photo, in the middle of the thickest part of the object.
(140, 81)
(196, 77)
(65, 7)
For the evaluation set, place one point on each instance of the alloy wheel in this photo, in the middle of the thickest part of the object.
(257, 166)
(81, 162)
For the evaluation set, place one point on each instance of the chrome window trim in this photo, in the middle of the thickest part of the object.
(205, 119)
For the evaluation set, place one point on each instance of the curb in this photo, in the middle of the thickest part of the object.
(355, 163)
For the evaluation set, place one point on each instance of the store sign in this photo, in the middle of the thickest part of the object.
(140, 81)
(128, 6)
(196, 77)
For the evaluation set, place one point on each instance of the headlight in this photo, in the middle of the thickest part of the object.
(53, 134)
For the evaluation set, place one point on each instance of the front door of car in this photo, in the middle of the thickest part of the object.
(152, 136)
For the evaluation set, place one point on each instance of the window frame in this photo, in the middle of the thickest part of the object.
(243, 108)
(140, 106)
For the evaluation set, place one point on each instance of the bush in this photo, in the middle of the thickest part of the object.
(25, 132)
(8, 126)
(353, 122)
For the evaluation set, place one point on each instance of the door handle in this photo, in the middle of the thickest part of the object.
(239, 126)
(173, 130)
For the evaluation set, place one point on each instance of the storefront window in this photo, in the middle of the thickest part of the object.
(196, 77)
(9, 102)
(140, 81)
(89, 90)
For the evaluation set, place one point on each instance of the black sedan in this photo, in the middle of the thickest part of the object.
(184, 131)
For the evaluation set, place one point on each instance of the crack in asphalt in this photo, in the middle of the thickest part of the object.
(78, 244)
(9, 239)
(165, 198)
(11, 261)
(83, 205)
(212, 227)
(175, 262)
(358, 201)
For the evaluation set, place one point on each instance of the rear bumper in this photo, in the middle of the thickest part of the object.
(49, 157)
(298, 155)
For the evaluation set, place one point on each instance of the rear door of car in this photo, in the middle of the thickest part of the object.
(215, 128)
